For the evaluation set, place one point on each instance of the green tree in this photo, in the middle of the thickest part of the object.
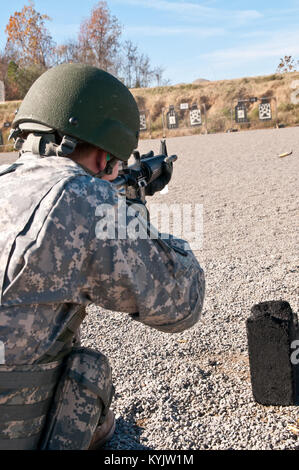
(19, 79)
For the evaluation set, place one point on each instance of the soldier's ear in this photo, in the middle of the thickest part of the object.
(101, 159)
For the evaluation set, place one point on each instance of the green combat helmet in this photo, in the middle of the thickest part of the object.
(84, 103)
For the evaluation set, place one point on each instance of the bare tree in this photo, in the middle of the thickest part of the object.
(130, 53)
(136, 68)
(158, 77)
(143, 71)
(66, 53)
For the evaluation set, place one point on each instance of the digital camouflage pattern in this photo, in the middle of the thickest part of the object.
(51, 261)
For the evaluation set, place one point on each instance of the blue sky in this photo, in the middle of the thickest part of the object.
(213, 39)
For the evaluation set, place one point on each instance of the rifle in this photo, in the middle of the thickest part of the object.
(133, 179)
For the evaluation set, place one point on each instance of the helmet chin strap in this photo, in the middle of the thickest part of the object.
(44, 144)
(67, 146)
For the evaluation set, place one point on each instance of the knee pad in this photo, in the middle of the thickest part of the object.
(81, 401)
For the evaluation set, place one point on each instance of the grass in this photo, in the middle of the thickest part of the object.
(268, 78)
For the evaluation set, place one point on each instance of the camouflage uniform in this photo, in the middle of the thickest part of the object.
(52, 263)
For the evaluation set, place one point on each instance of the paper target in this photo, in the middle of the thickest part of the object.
(172, 118)
(265, 113)
(195, 117)
(241, 113)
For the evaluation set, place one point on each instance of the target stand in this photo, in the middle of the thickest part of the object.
(184, 117)
(267, 110)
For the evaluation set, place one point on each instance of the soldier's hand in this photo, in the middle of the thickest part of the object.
(162, 181)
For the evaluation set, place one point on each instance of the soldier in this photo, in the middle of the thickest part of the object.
(74, 126)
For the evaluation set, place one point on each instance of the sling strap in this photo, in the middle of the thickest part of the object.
(10, 169)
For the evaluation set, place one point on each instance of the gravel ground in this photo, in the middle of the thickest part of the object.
(192, 390)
